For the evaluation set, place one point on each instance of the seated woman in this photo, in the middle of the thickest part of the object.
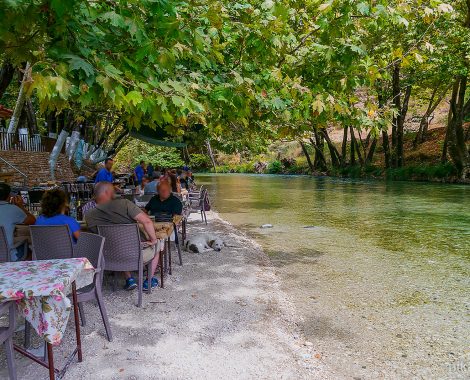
(54, 204)
(164, 202)
(174, 182)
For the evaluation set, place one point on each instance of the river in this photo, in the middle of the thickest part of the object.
(378, 271)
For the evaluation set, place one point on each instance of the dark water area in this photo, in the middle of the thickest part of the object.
(365, 262)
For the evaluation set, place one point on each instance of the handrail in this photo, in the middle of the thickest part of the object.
(16, 169)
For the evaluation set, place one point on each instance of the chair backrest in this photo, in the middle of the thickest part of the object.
(122, 250)
(144, 198)
(90, 246)
(163, 217)
(4, 247)
(51, 242)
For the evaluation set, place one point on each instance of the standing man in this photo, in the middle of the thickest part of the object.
(150, 170)
(13, 212)
(105, 174)
(139, 172)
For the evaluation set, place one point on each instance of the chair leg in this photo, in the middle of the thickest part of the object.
(27, 334)
(169, 257)
(178, 246)
(82, 314)
(165, 256)
(149, 279)
(139, 287)
(10, 358)
(104, 315)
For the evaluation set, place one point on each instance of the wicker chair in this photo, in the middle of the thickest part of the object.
(55, 242)
(6, 336)
(5, 249)
(51, 242)
(91, 246)
(122, 252)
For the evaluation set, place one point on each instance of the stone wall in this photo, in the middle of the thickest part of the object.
(36, 166)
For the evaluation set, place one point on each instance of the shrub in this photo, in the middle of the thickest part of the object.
(274, 167)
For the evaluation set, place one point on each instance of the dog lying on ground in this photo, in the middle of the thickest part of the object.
(204, 242)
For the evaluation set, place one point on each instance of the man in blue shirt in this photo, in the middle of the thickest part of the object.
(139, 172)
(104, 174)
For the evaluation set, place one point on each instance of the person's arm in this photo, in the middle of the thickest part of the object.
(74, 228)
(149, 228)
(30, 219)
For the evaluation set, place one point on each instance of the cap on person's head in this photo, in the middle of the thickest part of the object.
(186, 167)
(5, 191)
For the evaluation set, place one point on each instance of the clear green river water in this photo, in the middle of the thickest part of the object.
(378, 271)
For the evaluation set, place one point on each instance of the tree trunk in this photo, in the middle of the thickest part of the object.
(386, 148)
(59, 144)
(396, 102)
(307, 156)
(352, 160)
(31, 117)
(456, 136)
(6, 76)
(335, 157)
(211, 155)
(319, 161)
(400, 127)
(370, 154)
(344, 146)
(20, 100)
(357, 149)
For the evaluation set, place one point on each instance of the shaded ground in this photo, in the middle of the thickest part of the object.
(220, 315)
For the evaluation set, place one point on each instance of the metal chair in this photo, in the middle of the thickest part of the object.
(6, 336)
(197, 203)
(123, 253)
(5, 249)
(91, 246)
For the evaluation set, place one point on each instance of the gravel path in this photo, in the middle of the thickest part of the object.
(221, 315)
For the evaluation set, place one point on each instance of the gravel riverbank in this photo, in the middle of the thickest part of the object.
(220, 315)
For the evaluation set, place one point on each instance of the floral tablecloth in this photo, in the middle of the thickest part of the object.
(40, 290)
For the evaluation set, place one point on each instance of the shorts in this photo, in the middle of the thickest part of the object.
(148, 253)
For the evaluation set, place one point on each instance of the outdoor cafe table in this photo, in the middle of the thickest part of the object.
(40, 290)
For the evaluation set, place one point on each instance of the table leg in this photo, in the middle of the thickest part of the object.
(50, 361)
(162, 254)
(77, 321)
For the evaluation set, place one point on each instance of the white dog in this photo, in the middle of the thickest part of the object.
(204, 242)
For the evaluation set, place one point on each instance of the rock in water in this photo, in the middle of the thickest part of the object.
(267, 226)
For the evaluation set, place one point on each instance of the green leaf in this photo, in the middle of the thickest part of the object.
(77, 63)
(134, 97)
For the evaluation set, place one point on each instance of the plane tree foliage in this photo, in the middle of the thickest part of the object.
(248, 72)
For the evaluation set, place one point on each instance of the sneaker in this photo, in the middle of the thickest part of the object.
(145, 285)
(130, 284)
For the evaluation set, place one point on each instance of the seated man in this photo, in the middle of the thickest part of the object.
(151, 187)
(164, 202)
(122, 211)
(12, 212)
